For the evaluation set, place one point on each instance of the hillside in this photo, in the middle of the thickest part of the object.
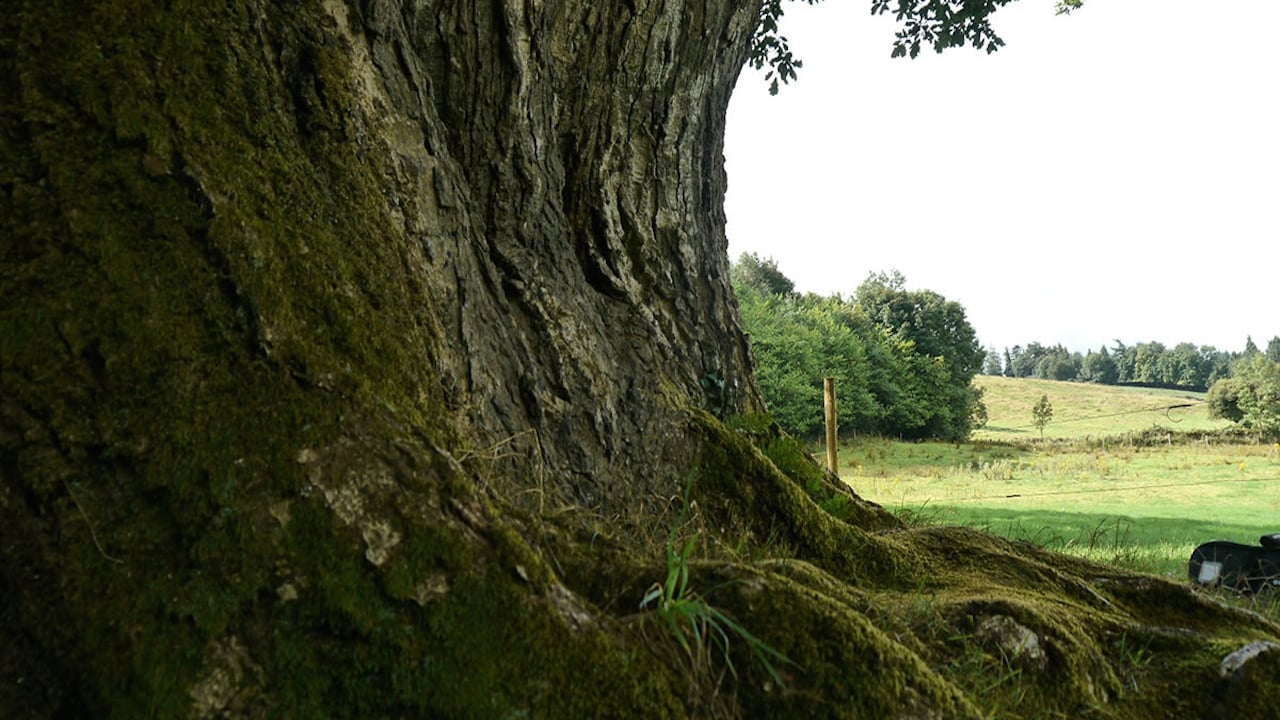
(1131, 505)
(1083, 409)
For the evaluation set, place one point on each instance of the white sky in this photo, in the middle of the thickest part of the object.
(1114, 173)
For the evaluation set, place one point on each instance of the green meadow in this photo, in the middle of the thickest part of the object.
(1083, 411)
(1120, 476)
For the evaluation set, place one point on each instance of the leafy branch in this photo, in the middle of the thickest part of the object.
(768, 48)
(942, 24)
(939, 24)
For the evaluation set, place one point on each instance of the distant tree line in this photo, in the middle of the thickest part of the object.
(1184, 366)
(903, 360)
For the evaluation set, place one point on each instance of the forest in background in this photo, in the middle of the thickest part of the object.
(904, 360)
(1184, 366)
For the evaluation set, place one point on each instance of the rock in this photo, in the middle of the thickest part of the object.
(1016, 643)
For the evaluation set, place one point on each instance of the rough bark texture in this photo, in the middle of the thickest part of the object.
(573, 152)
(352, 354)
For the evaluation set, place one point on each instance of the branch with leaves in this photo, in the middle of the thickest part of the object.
(939, 24)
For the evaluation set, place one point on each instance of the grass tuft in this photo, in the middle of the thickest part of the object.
(697, 626)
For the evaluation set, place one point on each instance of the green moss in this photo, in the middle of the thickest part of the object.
(173, 326)
(1251, 691)
(835, 650)
(741, 487)
(466, 649)
(428, 553)
(350, 638)
(931, 590)
(152, 179)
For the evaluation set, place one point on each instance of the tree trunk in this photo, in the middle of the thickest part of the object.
(354, 357)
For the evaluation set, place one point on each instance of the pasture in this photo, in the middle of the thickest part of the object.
(1084, 411)
(1119, 478)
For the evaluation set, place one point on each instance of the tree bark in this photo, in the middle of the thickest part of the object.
(273, 266)
(354, 357)
(578, 148)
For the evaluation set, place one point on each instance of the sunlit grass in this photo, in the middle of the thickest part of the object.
(1087, 410)
(1101, 495)
(1144, 508)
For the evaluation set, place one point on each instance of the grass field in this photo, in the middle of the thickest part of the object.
(1083, 410)
(1115, 479)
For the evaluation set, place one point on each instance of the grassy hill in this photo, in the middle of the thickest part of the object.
(1087, 410)
(1136, 505)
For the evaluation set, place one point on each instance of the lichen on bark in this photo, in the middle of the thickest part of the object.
(352, 362)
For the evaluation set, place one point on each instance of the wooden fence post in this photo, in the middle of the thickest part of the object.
(829, 409)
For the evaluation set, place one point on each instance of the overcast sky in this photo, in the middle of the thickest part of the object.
(1114, 173)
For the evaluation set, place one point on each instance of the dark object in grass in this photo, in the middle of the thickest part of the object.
(1246, 568)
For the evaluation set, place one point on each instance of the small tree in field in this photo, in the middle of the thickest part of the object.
(1042, 413)
(977, 407)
